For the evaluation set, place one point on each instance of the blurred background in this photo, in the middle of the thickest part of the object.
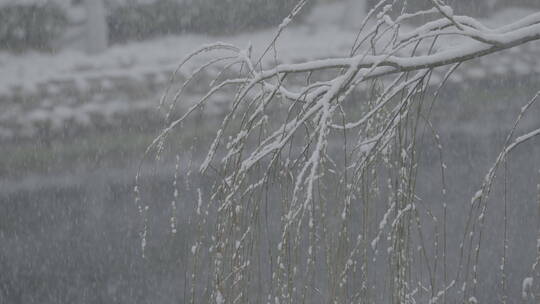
(80, 83)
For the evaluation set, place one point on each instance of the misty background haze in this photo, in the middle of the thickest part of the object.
(80, 84)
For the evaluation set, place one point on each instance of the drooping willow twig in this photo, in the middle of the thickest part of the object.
(279, 144)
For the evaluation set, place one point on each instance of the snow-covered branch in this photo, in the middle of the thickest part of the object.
(317, 133)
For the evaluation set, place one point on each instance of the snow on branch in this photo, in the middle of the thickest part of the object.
(382, 51)
(311, 131)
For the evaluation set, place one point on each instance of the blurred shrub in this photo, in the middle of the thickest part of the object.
(137, 21)
(30, 26)
(141, 21)
(219, 16)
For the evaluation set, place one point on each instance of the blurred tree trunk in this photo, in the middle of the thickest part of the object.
(96, 27)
